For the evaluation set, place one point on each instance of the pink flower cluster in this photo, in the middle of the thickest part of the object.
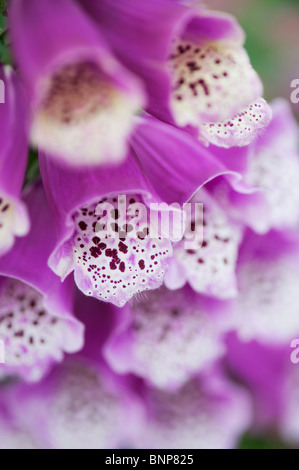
(115, 338)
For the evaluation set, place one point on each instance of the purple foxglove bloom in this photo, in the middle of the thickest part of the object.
(12, 436)
(115, 266)
(207, 413)
(267, 307)
(83, 99)
(13, 159)
(79, 405)
(194, 65)
(272, 168)
(36, 319)
(210, 265)
(167, 337)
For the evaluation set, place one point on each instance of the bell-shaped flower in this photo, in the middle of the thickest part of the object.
(83, 100)
(37, 323)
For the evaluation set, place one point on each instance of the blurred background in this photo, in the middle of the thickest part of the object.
(272, 29)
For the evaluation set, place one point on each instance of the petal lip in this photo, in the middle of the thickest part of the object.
(233, 132)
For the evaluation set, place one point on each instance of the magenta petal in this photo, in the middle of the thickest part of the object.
(37, 321)
(264, 370)
(174, 157)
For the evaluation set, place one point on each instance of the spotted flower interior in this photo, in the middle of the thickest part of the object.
(113, 259)
(33, 337)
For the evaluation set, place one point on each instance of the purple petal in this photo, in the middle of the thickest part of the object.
(170, 155)
(263, 370)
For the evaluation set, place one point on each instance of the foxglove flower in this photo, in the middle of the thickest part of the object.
(267, 307)
(271, 170)
(207, 413)
(168, 337)
(82, 98)
(13, 158)
(274, 168)
(209, 265)
(193, 63)
(79, 405)
(113, 267)
(12, 436)
(36, 319)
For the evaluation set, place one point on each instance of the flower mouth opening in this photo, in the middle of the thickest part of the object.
(212, 81)
(112, 261)
(78, 92)
(85, 115)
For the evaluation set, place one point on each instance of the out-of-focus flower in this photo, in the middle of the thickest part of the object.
(12, 436)
(82, 98)
(272, 168)
(267, 306)
(79, 405)
(193, 63)
(36, 319)
(167, 337)
(91, 407)
(114, 268)
(13, 158)
(210, 266)
(207, 413)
